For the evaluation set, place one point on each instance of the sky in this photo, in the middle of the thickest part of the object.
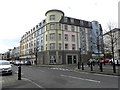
(20, 16)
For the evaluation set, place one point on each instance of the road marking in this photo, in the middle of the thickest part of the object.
(60, 69)
(105, 75)
(96, 74)
(91, 80)
(34, 83)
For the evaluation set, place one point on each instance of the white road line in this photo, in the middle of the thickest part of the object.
(96, 74)
(34, 83)
(105, 75)
(91, 80)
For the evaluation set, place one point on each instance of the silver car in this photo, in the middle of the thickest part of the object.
(5, 67)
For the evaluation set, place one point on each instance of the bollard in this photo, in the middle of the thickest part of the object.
(82, 66)
(114, 68)
(117, 62)
(101, 68)
(91, 66)
(19, 72)
(78, 65)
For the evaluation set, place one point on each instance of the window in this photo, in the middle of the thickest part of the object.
(38, 33)
(32, 43)
(81, 23)
(65, 27)
(65, 19)
(72, 28)
(52, 17)
(41, 41)
(59, 46)
(66, 46)
(52, 46)
(46, 46)
(72, 20)
(52, 26)
(73, 38)
(41, 47)
(52, 36)
(40, 24)
(66, 37)
(36, 26)
(46, 37)
(59, 37)
(73, 46)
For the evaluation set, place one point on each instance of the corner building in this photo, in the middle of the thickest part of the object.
(60, 39)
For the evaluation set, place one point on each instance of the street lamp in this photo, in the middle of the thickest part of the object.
(79, 59)
(36, 54)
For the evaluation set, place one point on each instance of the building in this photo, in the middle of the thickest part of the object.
(59, 39)
(113, 35)
(15, 53)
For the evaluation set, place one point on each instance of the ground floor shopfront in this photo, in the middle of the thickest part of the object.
(61, 57)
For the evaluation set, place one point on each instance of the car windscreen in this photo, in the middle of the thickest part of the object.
(4, 63)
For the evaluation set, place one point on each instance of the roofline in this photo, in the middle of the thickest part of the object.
(113, 30)
(54, 10)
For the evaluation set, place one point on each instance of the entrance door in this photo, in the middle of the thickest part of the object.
(74, 59)
(69, 59)
(52, 60)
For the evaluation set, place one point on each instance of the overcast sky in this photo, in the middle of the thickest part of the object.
(19, 16)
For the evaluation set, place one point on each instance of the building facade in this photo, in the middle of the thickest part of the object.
(59, 39)
(113, 35)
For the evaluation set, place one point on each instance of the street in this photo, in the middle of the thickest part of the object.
(47, 77)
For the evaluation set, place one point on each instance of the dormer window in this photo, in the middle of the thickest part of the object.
(72, 20)
(65, 19)
(52, 17)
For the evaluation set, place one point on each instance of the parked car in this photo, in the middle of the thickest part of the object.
(105, 60)
(5, 67)
(27, 63)
(17, 62)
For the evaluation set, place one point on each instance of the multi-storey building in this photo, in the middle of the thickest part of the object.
(59, 39)
(113, 35)
(15, 53)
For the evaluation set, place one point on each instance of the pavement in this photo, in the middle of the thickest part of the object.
(107, 68)
(8, 82)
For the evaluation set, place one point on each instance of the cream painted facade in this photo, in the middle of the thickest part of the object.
(58, 39)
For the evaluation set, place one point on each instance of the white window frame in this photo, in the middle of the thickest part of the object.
(52, 36)
(66, 37)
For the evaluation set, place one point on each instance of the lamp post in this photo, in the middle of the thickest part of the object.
(79, 59)
(36, 54)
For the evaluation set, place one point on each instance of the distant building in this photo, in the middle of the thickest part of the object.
(15, 53)
(1, 56)
(58, 40)
(115, 35)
